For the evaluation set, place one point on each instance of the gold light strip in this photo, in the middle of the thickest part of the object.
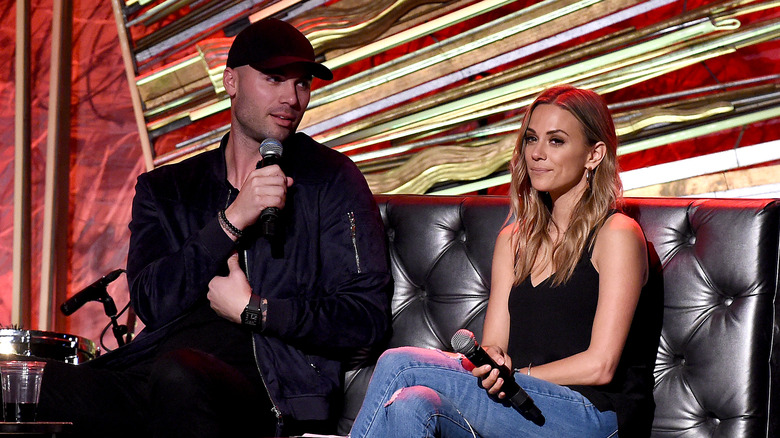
(698, 131)
(416, 32)
(169, 69)
(758, 7)
(488, 99)
(376, 107)
(609, 83)
(320, 37)
(655, 116)
(166, 6)
(477, 133)
(474, 186)
(702, 178)
(423, 177)
(208, 110)
(198, 114)
(135, 97)
(653, 67)
(665, 115)
(325, 96)
(444, 163)
(378, 99)
(703, 164)
(731, 183)
(270, 10)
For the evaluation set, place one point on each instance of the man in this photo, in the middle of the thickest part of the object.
(245, 331)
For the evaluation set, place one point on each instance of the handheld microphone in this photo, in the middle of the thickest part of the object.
(94, 292)
(271, 151)
(464, 342)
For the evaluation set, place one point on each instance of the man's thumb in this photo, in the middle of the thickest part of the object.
(232, 263)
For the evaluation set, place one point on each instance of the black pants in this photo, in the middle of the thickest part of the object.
(183, 393)
(202, 381)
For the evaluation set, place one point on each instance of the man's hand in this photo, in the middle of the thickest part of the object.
(490, 380)
(229, 295)
(265, 187)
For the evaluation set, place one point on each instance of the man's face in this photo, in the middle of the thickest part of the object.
(269, 103)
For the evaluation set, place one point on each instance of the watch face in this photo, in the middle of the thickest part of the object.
(249, 317)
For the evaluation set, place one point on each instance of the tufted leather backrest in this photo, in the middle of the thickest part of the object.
(716, 370)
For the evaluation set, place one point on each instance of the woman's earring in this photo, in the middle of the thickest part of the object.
(589, 176)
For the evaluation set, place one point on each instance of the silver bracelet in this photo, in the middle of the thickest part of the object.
(528, 372)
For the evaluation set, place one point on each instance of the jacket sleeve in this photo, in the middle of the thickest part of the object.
(353, 308)
(172, 257)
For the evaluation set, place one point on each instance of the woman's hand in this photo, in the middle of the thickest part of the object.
(489, 375)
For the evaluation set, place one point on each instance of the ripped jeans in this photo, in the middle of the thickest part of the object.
(418, 392)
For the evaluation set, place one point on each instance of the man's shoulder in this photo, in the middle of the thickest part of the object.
(310, 149)
(195, 167)
(315, 160)
(188, 178)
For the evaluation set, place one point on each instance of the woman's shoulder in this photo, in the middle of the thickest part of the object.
(507, 230)
(507, 233)
(619, 240)
(619, 224)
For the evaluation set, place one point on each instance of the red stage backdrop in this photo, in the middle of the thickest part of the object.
(105, 156)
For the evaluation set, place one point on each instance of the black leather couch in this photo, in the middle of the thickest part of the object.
(716, 372)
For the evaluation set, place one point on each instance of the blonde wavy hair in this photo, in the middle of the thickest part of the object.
(532, 209)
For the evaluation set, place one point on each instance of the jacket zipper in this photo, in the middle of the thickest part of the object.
(274, 408)
(353, 233)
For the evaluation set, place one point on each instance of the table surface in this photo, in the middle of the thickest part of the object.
(34, 427)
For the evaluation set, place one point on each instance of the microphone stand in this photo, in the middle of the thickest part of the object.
(111, 312)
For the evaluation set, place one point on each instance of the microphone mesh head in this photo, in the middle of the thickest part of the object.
(464, 342)
(271, 146)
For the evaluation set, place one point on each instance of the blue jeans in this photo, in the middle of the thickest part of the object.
(418, 392)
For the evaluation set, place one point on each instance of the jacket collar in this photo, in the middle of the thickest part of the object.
(219, 166)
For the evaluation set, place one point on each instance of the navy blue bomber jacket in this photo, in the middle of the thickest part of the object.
(328, 294)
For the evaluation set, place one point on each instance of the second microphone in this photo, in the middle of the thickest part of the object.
(464, 342)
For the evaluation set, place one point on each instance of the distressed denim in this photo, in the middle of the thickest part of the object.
(417, 393)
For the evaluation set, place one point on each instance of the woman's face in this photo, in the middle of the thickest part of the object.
(556, 151)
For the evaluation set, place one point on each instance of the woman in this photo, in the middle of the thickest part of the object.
(567, 278)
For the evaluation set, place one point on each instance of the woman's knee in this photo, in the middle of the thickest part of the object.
(399, 355)
(421, 411)
(415, 400)
(394, 361)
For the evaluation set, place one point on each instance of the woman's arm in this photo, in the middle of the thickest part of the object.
(620, 257)
(495, 332)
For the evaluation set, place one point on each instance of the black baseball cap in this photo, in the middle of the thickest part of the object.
(271, 43)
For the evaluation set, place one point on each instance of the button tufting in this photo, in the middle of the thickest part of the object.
(692, 239)
(728, 301)
(712, 420)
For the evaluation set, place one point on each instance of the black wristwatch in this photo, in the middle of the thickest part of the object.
(252, 315)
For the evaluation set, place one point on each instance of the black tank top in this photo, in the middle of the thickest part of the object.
(550, 323)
